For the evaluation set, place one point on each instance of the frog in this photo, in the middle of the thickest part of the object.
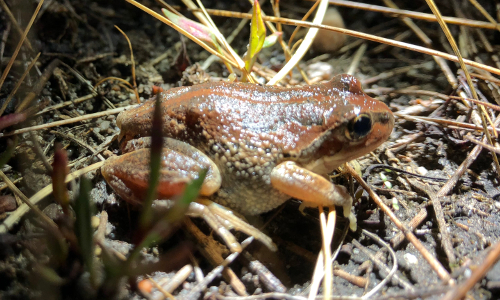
(261, 145)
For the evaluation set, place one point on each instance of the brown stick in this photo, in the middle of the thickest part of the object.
(460, 290)
(18, 47)
(419, 218)
(434, 263)
(211, 251)
(16, 25)
(438, 209)
(414, 14)
(357, 280)
(369, 37)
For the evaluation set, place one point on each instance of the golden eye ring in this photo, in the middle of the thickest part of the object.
(359, 127)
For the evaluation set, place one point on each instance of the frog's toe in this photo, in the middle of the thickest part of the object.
(236, 223)
(350, 215)
(222, 219)
(200, 210)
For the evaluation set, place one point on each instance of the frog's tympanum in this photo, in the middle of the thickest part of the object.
(262, 145)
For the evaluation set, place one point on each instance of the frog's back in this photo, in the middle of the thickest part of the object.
(237, 111)
(241, 129)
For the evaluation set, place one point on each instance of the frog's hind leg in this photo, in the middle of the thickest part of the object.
(128, 174)
(305, 185)
(222, 219)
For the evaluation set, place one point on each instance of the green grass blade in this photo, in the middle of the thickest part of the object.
(257, 36)
(164, 226)
(83, 228)
(154, 166)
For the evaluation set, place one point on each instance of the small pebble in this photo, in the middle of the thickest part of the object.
(320, 69)
(89, 106)
(53, 211)
(411, 259)
(104, 125)
(467, 273)
(145, 286)
(327, 41)
(422, 171)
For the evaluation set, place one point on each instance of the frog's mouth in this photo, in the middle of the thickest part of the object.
(324, 165)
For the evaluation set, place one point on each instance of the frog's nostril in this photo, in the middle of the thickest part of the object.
(384, 118)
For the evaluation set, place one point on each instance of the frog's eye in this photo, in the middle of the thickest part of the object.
(359, 127)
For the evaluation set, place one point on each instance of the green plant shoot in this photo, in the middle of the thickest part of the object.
(164, 226)
(59, 173)
(257, 36)
(83, 228)
(154, 166)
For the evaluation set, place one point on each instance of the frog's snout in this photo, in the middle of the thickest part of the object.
(385, 118)
(383, 124)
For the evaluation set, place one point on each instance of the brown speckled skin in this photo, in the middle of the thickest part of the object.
(247, 130)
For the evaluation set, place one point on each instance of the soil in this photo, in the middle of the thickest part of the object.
(82, 37)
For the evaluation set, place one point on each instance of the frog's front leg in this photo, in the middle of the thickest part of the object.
(305, 185)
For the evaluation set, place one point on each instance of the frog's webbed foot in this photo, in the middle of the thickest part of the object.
(305, 185)
(222, 219)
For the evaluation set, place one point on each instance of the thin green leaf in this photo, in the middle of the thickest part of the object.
(270, 40)
(59, 172)
(83, 228)
(257, 36)
(164, 226)
(49, 275)
(192, 191)
(154, 166)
